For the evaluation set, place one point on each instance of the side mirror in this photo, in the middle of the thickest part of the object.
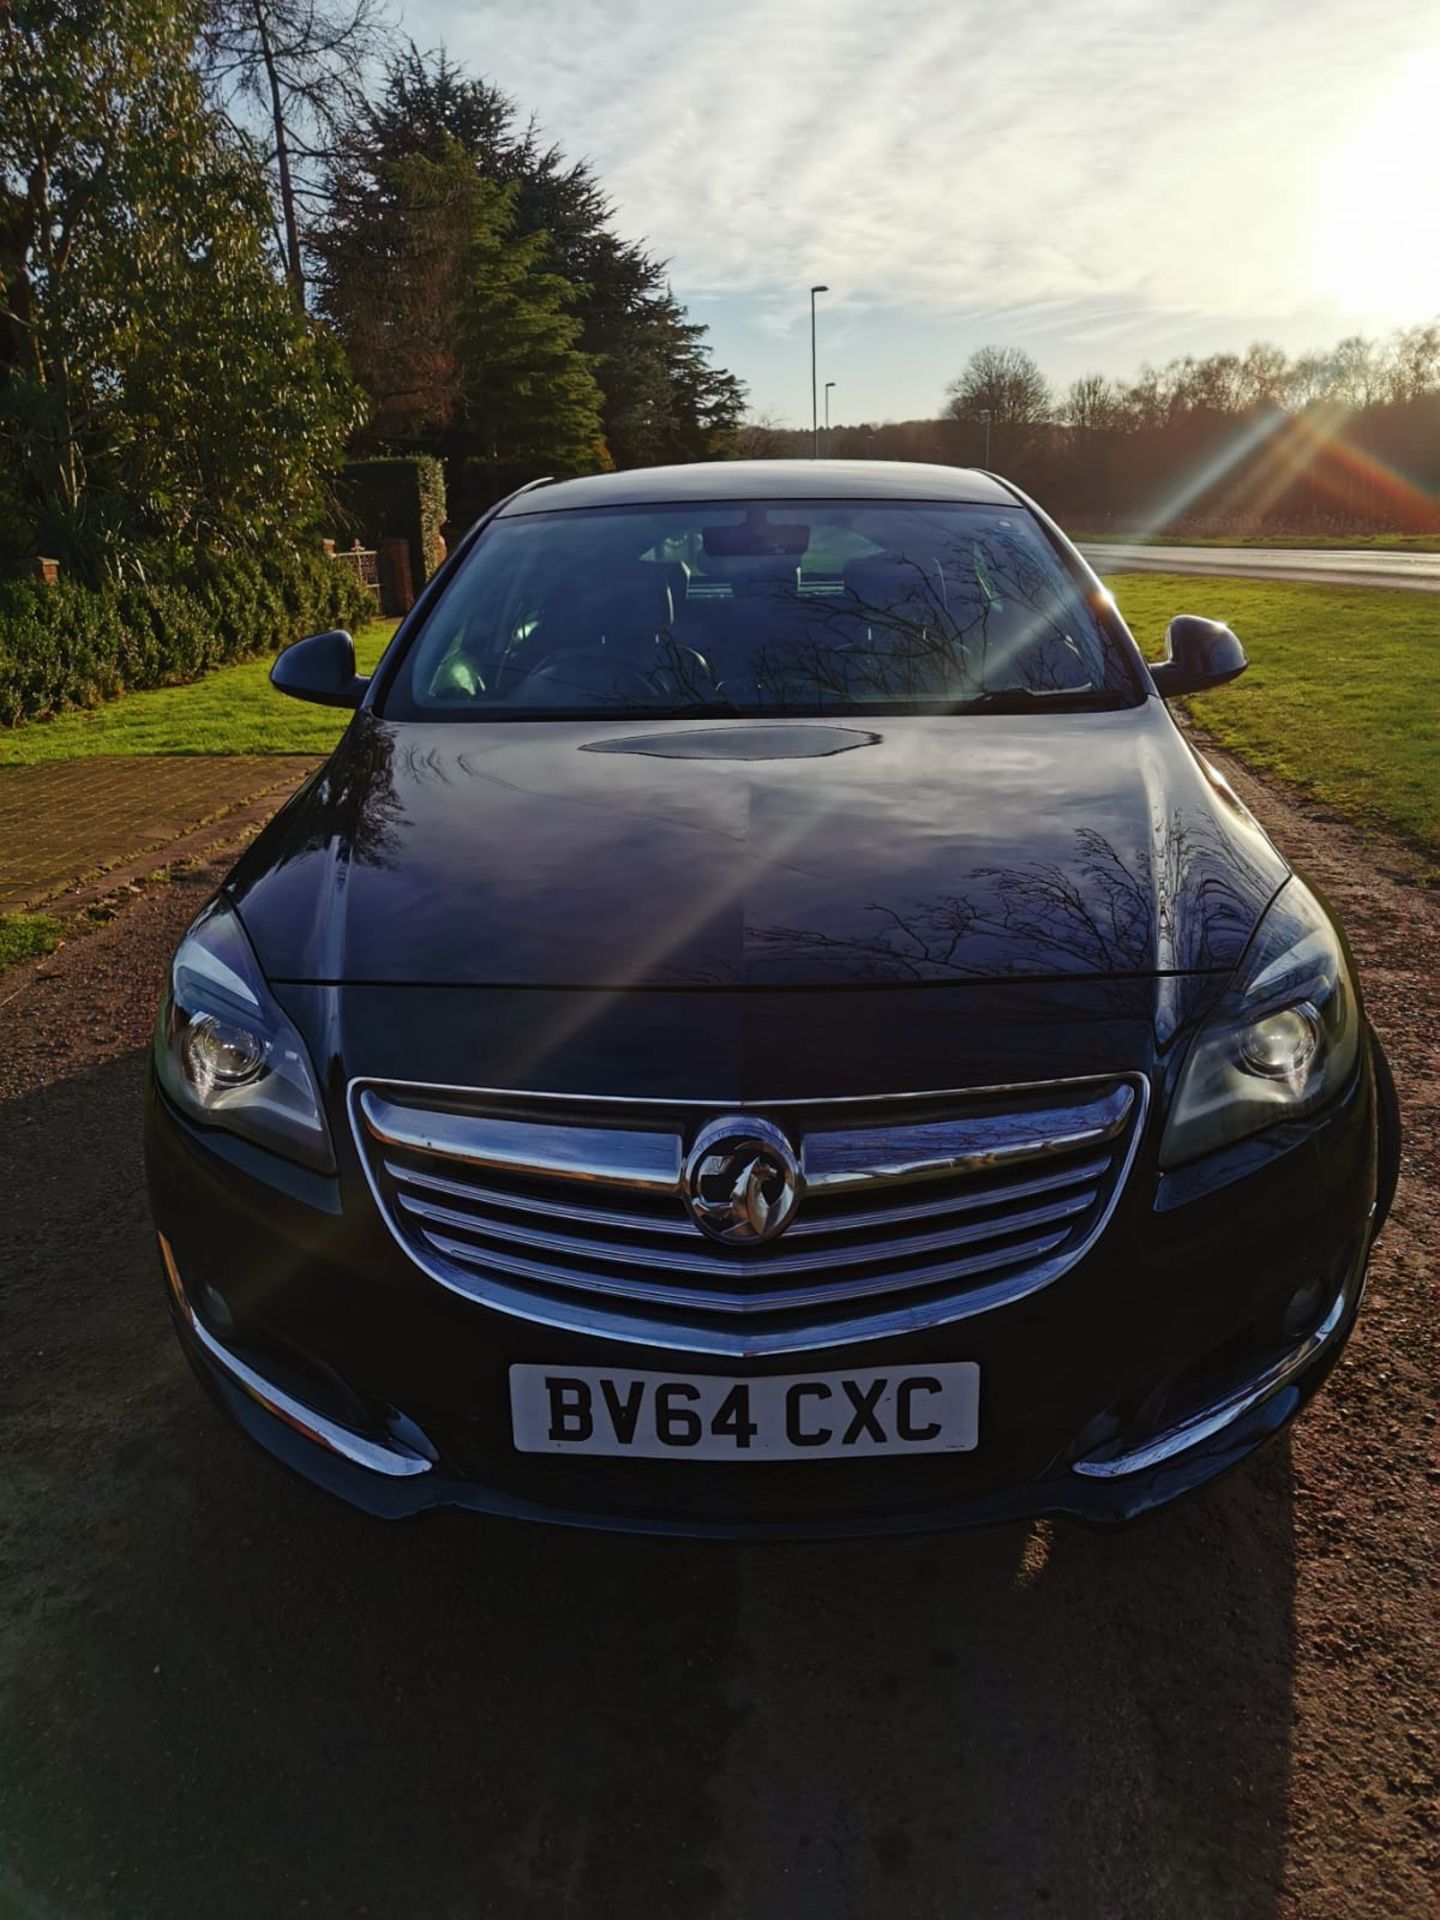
(1198, 654)
(321, 669)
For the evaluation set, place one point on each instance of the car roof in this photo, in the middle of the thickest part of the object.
(767, 480)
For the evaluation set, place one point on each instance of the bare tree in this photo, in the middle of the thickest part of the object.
(1008, 385)
(1357, 371)
(757, 439)
(1413, 362)
(1150, 396)
(1264, 375)
(302, 64)
(1211, 385)
(1093, 404)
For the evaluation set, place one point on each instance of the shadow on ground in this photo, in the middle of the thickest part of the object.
(227, 1694)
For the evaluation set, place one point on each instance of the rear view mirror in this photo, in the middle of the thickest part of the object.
(757, 537)
(1198, 654)
(321, 669)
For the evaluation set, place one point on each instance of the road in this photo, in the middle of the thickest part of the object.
(1333, 567)
(223, 1694)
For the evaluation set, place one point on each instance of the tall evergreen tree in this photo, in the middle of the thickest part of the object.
(462, 338)
(663, 398)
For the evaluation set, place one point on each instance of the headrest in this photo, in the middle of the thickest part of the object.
(768, 577)
(886, 582)
(632, 599)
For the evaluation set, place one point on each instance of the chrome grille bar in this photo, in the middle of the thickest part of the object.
(836, 1217)
(618, 1218)
(933, 1149)
(608, 1155)
(706, 1299)
(719, 1267)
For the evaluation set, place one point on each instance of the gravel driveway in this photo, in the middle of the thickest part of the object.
(225, 1695)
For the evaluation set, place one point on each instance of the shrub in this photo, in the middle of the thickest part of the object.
(73, 646)
(399, 499)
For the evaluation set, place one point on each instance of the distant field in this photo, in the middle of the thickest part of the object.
(234, 710)
(1342, 697)
(1307, 543)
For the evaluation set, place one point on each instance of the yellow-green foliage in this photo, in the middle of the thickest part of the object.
(23, 935)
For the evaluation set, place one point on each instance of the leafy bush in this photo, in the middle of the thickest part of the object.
(171, 385)
(73, 646)
(399, 499)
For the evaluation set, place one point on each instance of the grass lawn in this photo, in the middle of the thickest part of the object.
(233, 710)
(1314, 543)
(1342, 697)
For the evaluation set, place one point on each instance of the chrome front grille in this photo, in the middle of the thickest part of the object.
(915, 1210)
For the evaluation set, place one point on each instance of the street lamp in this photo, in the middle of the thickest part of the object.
(814, 390)
(985, 422)
(828, 385)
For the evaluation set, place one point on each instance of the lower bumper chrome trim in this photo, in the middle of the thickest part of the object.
(1205, 1426)
(379, 1456)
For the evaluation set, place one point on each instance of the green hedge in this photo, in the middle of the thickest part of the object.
(71, 646)
(397, 499)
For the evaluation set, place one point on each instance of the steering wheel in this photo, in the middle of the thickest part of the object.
(593, 669)
(680, 673)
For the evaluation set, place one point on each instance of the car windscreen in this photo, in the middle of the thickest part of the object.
(760, 607)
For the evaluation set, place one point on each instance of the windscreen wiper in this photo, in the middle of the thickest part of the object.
(692, 710)
(1038, 700)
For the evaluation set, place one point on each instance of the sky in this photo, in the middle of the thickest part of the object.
(1100, 182)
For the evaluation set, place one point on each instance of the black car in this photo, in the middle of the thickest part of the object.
(765, 1025)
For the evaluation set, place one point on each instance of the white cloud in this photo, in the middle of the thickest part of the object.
(968, 159)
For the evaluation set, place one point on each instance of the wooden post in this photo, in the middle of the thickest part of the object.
(397, 590)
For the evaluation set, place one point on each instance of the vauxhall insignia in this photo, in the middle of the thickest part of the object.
(742, 1181)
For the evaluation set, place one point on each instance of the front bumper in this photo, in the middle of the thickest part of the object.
(382, 1472)
(1199, 1325)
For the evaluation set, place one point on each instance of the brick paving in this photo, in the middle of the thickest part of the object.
(64, 822)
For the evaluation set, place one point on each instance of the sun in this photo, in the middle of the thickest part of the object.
(1375, 244)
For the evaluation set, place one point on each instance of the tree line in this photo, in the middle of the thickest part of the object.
(242, 239)
(1341, 440)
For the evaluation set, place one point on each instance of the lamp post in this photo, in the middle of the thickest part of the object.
(814, 390)
(829, 384)
(985, 422)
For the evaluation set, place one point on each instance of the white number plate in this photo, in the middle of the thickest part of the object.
(803, 1416)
